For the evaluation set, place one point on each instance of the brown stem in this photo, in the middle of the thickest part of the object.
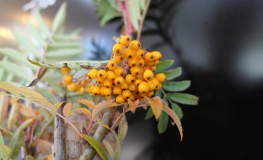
(142, 20)
(99, 135)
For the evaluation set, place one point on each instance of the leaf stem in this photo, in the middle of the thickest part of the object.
(166, 96)
(142, 19)
(90, 122)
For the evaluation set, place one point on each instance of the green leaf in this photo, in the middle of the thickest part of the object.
(1, 139)
(110, 14)
(3, 73)
(16, 143)
(59, 45)
(184, 98)
(44, 113)
(142, 4)
(46, 93)
(164, 64)
(36, 34)
(55, 86)
(27, 44)
(158, 93)
(44, 157)
(64, 53)
(70, 38)
(15, 70)
(176, 86)
(4, 152)
(171, 74)
(28, 157)
(108, 148)
(42, 24)
(133, 5)
(177, 109)
(45, 126)
(163, 122)
(17, 57)
(97, 146)
(76, 32)
(149, 114)
(138, 11)
(59, 18)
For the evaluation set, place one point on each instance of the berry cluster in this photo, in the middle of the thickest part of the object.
(133, 80)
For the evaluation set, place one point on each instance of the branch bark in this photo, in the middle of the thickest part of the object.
(59, 147)
(99, 135)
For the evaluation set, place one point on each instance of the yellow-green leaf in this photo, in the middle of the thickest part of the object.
(1, 139)
(156, 105)
(13, 116)
(133, 105)
(109, 148)
(87, 102)
(85, 110)
(59, 18)
(59, 104)
(66, 109)
(27, 111)
(28, 157)
(14, 100)
(4, 101)
(97, 146)
(42, 24)
(4, 152)
(16, 143)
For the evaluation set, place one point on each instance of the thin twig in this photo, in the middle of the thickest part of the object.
(142, 19)
(128, 17)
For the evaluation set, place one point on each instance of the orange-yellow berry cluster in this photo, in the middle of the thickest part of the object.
(133, 80)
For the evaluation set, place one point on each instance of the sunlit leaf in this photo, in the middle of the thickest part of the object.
(36, 34)
(123, 128)
(58, 105)
(175, 118)
(4, 152)
(184, 98)
(45, 147)
(15, 70)
(171, 74)
(4, 101)
(109, 148)
(100, 106)
(34, 94)
(14, 100)
(45, 113)
(44, 92)
(1, 139)
(42, 24)
(41, 73)
(66, 109)
(177, 109)
(66, 38)
(85, 110)
(13, 116)
(16, 143)
(176, 86)
(164, 64)
(59, 18)
(63, 54)
(59, 45)
(97, 146)
(87, 102)
(156, 105)
(133, 105)
(26, 111)
(142, 4)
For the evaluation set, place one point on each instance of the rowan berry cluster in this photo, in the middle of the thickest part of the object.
(133, 79)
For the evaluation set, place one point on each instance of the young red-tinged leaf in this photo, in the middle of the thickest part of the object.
(87, 102)
(59, 104)
(27, 111)
(118, 144)
(16, 143)
(175, 118)
(100, 107)
(85, 110)
(4, 151)
(184, 98)
(156, 105)
(13, 116)
(109, 148)
(14, 100)
(1, 138)
(133, 105)
(97, 146)
(123, 128)
(66, 109)
(4, 101)
(41, 73)
(45, 147)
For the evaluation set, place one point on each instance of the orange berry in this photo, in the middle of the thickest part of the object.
(141, 95)
(65, 83)
(96, 90)
(141, 63)
(108, 97)
(150, 94)
(120, 99)
(65, 70)
(129, 78)
(140, 77)
(156, 63)
(49, 157)
(135, 71)
(126, 94)
(81, 90)
(119, 81)
(137, 82)
(111, 76)
(87, 79)
(82, 83)
(157, 55)
(139, 54)
(149, 57)
(132, 98)
(119, 71)
(148, 75)
(119, 59)
(107, 91)
(100, 80)
(159, 86)
(72, 87)
(102, 74)
(143, 87)
(155, 81)
(125, 40)
(161, 77)
(150, 64)
(129, 53)
(153, 68)
(117, 49)
(102, 91)
(132, 62)
(124, 86)
(108, 83)
(135, 45)
(67, 78)
(117, 90)
(112, 65)
(90, 87)
(92, 73)
(151, 85)
(132, 87)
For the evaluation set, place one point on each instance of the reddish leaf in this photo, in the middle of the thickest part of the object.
(4, 101)
(156, 105)
(27, 111)
(100, 106)
(41, 73)
(85, 110)
(87, 102)
(175, 118)
(45, 147)
(133, 105)
(66, 109)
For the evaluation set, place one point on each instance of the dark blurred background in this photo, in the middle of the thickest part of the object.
(219, 44)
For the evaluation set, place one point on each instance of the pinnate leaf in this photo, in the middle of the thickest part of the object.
(16, 143)
(184, 98)
(66, 109)
(58, 105)
(133, 105)
(97, 146)
(4, 151)
(149, 113)
(163, 122)
(87, 102)
(175, 118)
(85, 110)
(59, 18)
(100, 106)
(42, 24)
(176, 86)
(156, 105)
(164, 64)
(1, 138)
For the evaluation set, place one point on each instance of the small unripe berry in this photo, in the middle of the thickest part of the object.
(65, 70)
(112, 65)
(143, 87)
(67, 78)
(161, 77)
(135, 45)
(117, 49)
(92, 73)
(125, 40)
